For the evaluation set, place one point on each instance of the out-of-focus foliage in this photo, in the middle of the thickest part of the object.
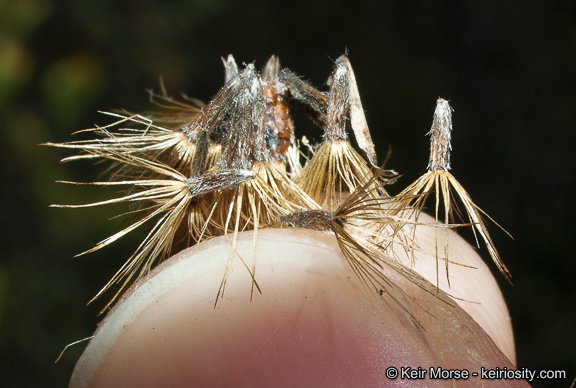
(507, 67)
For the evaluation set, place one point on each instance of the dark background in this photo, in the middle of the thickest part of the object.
(508, 68)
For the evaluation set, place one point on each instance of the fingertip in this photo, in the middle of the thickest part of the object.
(313, 325)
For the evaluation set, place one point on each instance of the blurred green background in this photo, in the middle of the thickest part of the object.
(508, 68)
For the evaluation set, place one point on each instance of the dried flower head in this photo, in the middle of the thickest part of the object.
(196, 171)
(440, 181)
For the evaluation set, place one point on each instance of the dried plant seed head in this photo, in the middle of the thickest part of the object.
(221, 168)
(447, 189)
(336, 170)
(440, 133)
(175, 176)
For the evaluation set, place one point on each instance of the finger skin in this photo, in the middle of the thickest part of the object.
(471, 281)
(313, 324)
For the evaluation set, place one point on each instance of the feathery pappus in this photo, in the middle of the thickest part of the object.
(196, 171)
(440, 181)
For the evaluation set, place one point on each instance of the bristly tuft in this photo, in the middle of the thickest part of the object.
(195, 171)
(440, 181)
